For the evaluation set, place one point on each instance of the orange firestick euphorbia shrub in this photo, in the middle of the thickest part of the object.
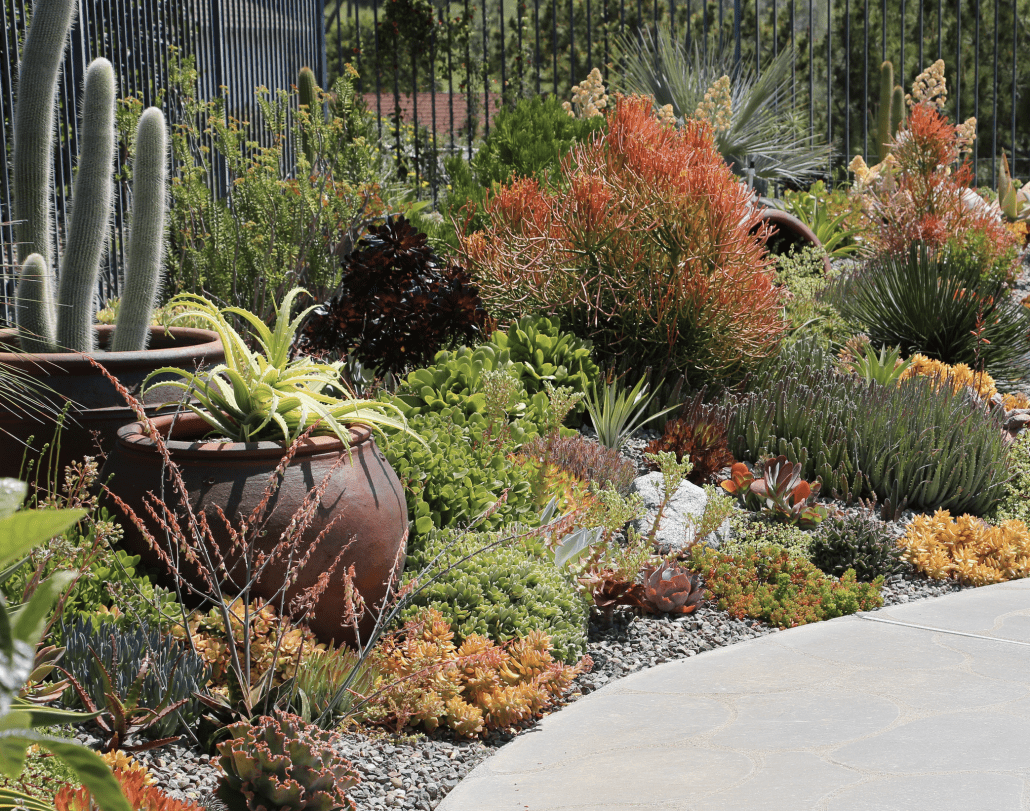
(649, 247)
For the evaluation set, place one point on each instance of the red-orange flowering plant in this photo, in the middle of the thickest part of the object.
(648, 245)
(921, 193)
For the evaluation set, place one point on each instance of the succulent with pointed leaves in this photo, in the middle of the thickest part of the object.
(668, 588)
(283, 763)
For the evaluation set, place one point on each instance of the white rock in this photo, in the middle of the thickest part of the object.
(680, 516)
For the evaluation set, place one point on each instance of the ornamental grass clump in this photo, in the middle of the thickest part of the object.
(648, 246)
(916, 443)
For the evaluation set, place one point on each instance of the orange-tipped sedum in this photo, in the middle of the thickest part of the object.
(968, 549)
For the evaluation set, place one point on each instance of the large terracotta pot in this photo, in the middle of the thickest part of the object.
(364, 496)
(98, 406)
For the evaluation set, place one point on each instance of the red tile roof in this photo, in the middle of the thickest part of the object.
(443, 102)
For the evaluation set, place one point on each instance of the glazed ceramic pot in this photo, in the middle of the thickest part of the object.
(362, 511)
(98, 409)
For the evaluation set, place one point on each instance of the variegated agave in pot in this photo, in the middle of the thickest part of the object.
(246, 429)
(266, 395)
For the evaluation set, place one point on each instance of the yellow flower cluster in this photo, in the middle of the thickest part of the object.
(930, 86)
(717, 106)
(968, 550)
(961, 375)
(965, 134)
(119, 761)
(212, 643)
(958, 375)
(588, 98)
(471, 687)
(666, 116)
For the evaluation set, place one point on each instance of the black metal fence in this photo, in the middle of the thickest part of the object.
(419, 60)
(238, 45)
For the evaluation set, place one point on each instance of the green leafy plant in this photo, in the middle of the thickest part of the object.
(758, 132)
(885, 368)
(753, 531)
(282, 763)
(139, 679)
(827, 215)
(527, 140)
(20, 632)
(286, 225)
(320, 676)
(397, 303)
(548, 353)
(785, 591)
(801, 274)
(502, 593)
(1013, 504)
(454, 475)
(938, 303)
(258, 395)
(617, 414)
(925, 445)
(858, 542)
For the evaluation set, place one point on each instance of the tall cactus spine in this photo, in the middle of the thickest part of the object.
(92, 199)
(147, 237)
(891, 113)
(36, 332)
(33, 163)
(307, 96)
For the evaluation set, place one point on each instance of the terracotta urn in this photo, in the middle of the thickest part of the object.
(98, 410)
(362, 511)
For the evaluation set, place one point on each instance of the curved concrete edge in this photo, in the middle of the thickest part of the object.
(925, 705)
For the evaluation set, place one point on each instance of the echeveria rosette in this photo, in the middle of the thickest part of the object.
(263, 395)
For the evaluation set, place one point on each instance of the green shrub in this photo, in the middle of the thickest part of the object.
(806, 308)
(939, 304)
(528, 140)
(1014, 504)
(456, 475)
(858, 542)
(915, 443)
(770, 585)
(545, 352)
(502, 593)
(752, 532)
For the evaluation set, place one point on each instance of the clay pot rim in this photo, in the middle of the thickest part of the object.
(132, 438)
(200, 344)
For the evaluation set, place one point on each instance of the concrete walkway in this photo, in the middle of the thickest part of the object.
(922, 707)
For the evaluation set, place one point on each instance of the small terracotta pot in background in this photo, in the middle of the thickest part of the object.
(363, 495)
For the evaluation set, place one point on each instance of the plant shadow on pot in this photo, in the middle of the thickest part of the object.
(97, 410)
(350, 538)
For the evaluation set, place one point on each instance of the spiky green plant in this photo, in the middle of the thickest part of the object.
(263, 395)
(660, 65)
(70, 326)
(891, 113)
(915, 443)
(617, 414)
(939, 304)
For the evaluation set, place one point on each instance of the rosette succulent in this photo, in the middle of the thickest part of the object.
(283, 764)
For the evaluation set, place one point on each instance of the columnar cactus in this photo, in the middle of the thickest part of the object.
(41, 329)
(34, 126)
(283, 764)
(146, 239)
(307, 96)
(891, 114)
(93, 196)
